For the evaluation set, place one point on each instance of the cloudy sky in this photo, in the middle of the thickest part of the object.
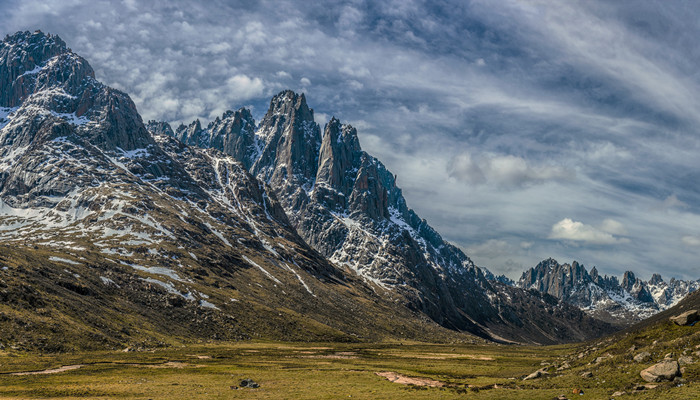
(521, 130)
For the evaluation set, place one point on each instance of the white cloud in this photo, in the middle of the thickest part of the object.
(283, 75)
(243, 87)
(613, 227)
(691, 241)
(505, 170)
(568, 229)
(672, 202)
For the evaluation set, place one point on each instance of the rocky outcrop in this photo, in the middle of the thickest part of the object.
(624, 303)
(687, 318)
(666, 370)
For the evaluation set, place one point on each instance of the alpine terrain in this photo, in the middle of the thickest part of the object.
(116, 233)
(346, 205)
(622, 303)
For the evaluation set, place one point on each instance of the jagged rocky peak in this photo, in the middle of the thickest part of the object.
(291, 142)
(630, 300)
(46, 82)
(234, 134)
(656, 279)
(20, 55)
(159, 128)
(339, 161)
(629, 280)
(189, 134)
(340, 153)
(636, 287)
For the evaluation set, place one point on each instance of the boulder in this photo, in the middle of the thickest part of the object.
(642, 357)
(249, 383)
(602, 358)
(537, 374)
(687, 318)
(663, 371)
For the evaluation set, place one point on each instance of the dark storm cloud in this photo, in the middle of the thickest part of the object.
(520, 129)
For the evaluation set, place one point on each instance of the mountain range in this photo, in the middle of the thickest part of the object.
(117, 232)
(605, 297)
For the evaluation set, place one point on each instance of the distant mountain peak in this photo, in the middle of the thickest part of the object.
(629, 301)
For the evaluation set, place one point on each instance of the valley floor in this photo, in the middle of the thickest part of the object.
(400, 370)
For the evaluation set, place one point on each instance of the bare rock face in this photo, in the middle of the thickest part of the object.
(687, 318)
(291, 140)
(20, 62)
(347, 206)
(51, 103)
(603, 296)
(663, 371)
(159, 128)
(81, 175)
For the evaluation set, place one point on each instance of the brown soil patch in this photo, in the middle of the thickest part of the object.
(50, 371)
(332, 356)
(407, 380)
(443, 356)
(174, 364)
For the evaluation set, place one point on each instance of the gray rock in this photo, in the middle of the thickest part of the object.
(663, 371)
(687, 318)
(249, 383)
(587, 374)
(642, 357)
(537, 374)
(602, 358)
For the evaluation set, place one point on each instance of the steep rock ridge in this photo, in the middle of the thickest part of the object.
(605, 297)
(131, 236)
(41, 76)
(346, 205)
(233, 133)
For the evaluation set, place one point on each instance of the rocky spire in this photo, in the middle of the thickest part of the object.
(338, 164)
(291, 140)
(340, 152)
(628, 280)
(190, 134)
(159, 128)
(594, 275)
(234, 134)
(23, 54)
(656, 279)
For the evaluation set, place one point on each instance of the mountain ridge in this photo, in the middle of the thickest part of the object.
(346, 205)
(103, 211)
(626, 302)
